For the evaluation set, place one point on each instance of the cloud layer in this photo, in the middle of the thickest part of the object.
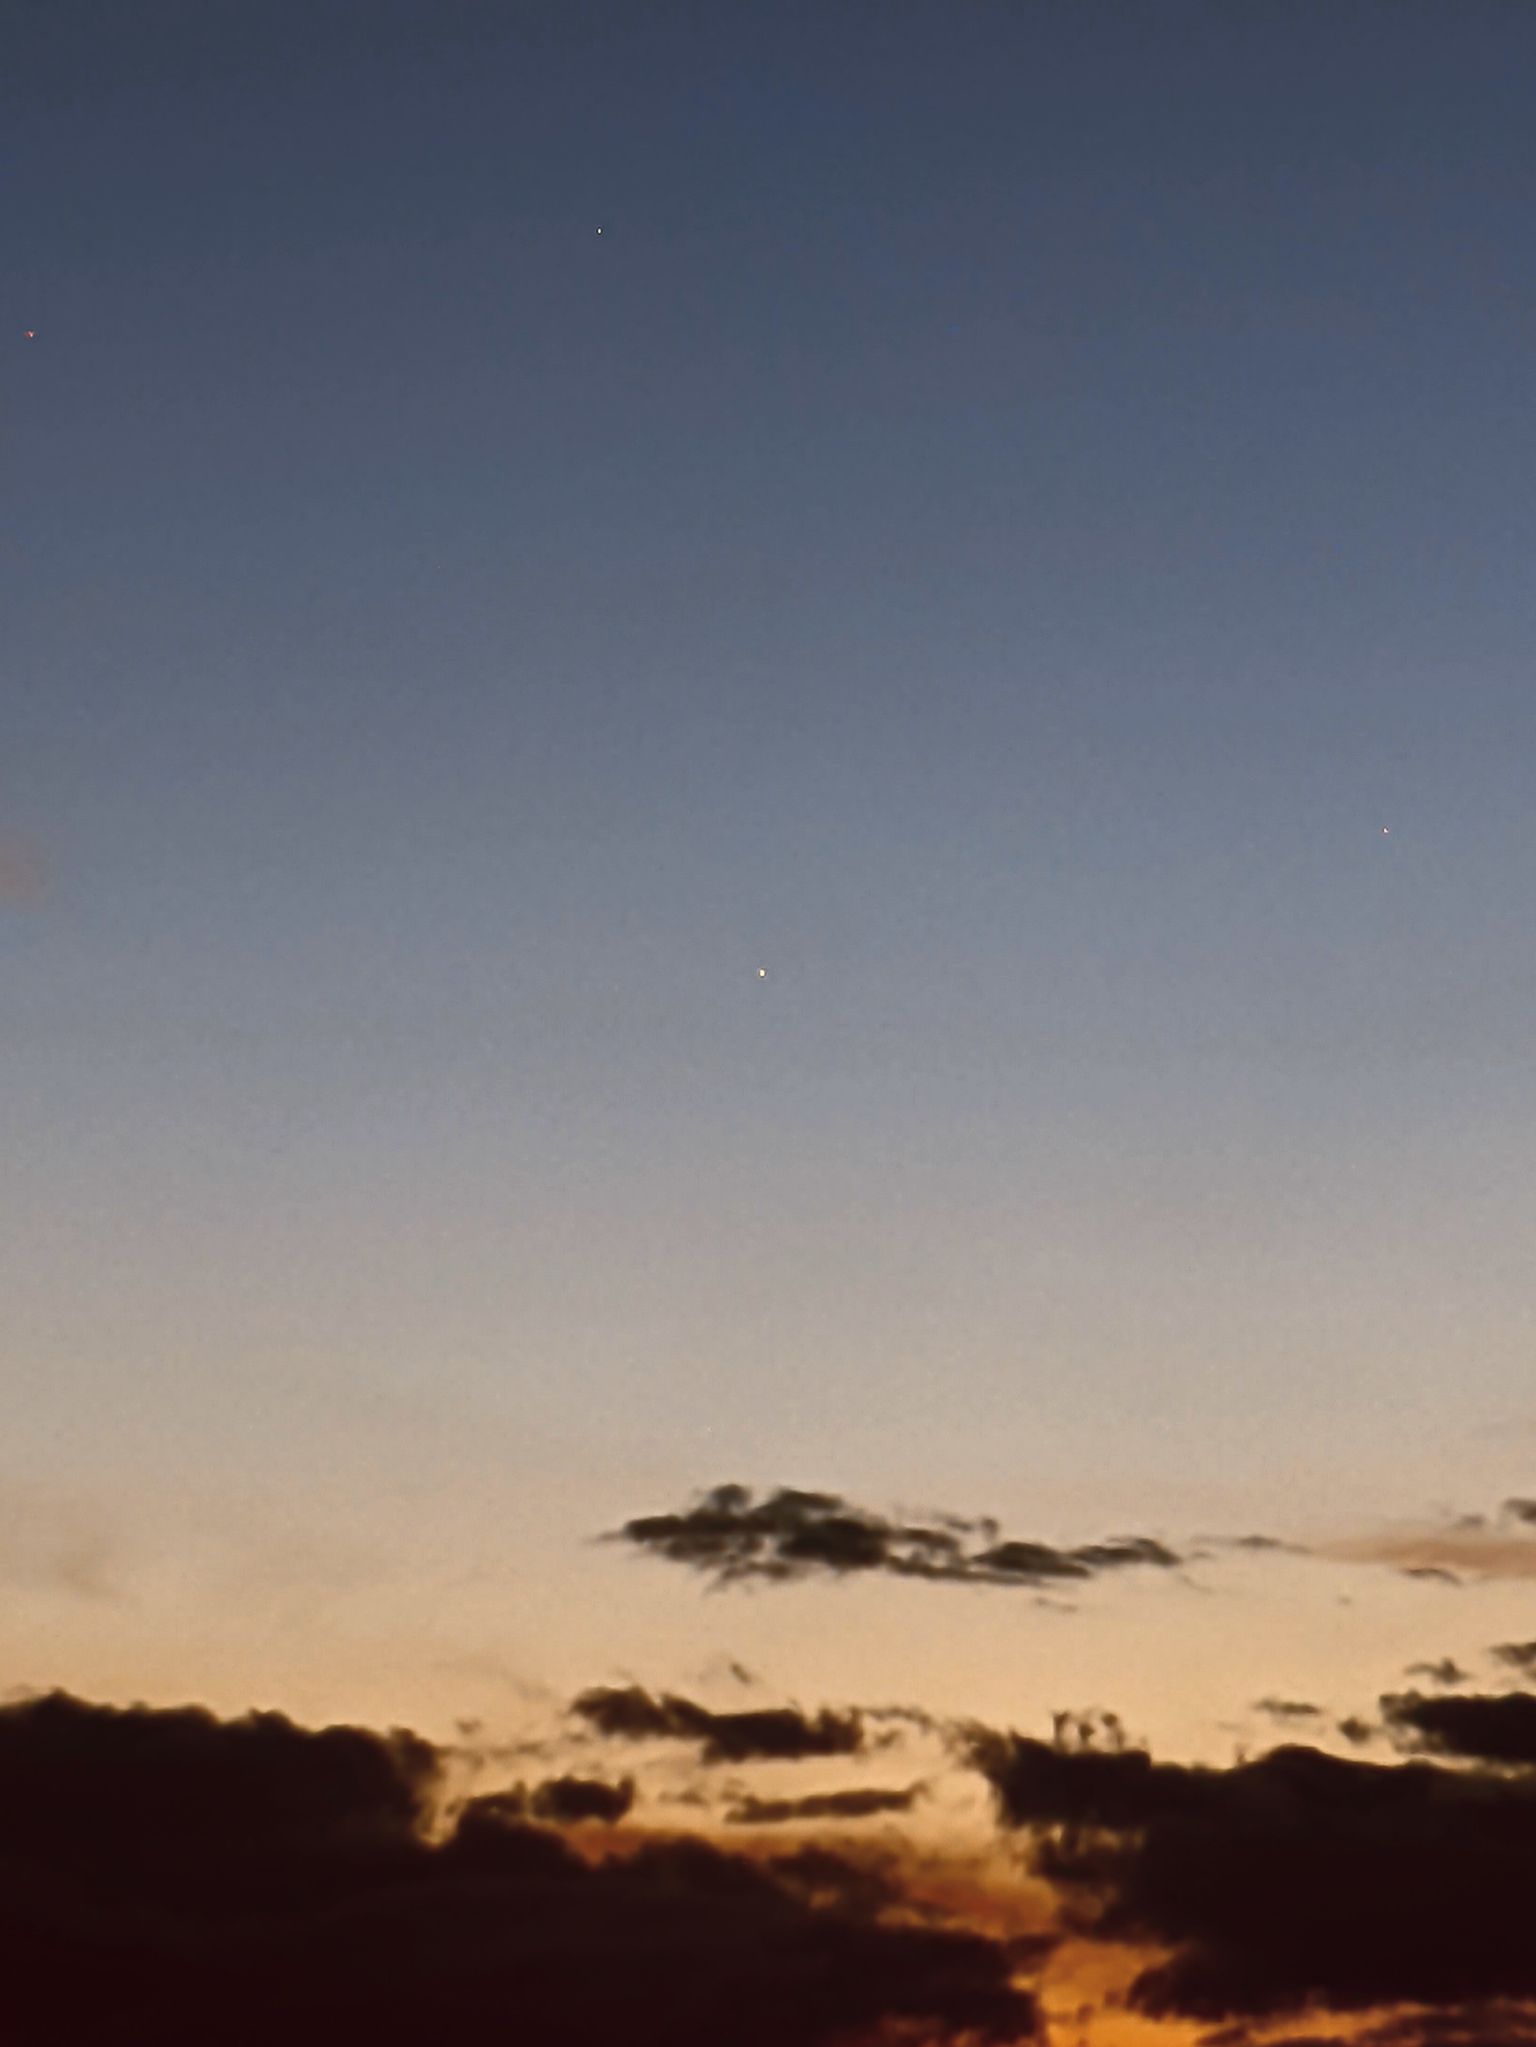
(168, 1878)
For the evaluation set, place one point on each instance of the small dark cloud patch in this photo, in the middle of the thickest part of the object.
(857, 1804)
(1486, 1728)
(1444, 1671)
(1434, 1574)
(1288, 1709)
(566, 1800)
(1358, 1731)
(1518, 1655)
(1294, 1883)
(762, 1734)
(1522, 1510)
(169, 1880)
(730, 1535)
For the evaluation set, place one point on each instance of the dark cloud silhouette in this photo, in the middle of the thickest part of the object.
(1445, 1671)
(761, 1734)
(1493, 2023)
(1518, 1655)
(1519, 1510)
(822, 1805)
(167, 1880)
(1299, 1880)
(569, 1799)
(1288, 1709)
(563, 1801)
(1487, 1728)
(729, 1535)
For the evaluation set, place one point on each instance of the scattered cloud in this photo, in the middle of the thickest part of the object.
(569, 1799)
(1453, 1547)
(170, 1878)
(1288, 1709)
(1518, 1655)
(730, 1535)
(1445, 1670)
(760, 1734)
(822, 1805)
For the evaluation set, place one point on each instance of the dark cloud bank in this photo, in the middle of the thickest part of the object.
(730, 1536)
(1300, 1880)
(169, 1879)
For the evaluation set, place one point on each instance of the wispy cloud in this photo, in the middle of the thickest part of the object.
(854, 1804)
(729, 1535)
(1449, 1550)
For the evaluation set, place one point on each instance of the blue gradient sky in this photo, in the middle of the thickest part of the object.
(1013, 502)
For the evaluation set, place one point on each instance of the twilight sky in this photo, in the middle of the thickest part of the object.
(776, 742)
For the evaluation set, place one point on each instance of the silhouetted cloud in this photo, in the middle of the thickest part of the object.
(1288, 1709)
(169, 1880)
(822, 1805)
(1519, 1655)
(761, 1734)
(563, 1801)
(729, 1535)
(1297, 1881)
(1488, 1728)
(568, 1799)
(1486, 2023)
(1444, 1671)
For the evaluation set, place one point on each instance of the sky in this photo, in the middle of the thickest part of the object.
(782, 745)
